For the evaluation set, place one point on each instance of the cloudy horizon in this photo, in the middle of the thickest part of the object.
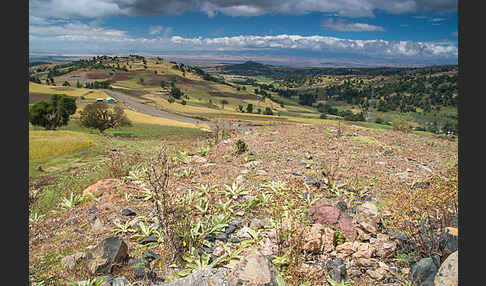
(410, 32)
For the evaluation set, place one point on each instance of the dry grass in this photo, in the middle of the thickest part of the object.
(145, 118)
(47, 143)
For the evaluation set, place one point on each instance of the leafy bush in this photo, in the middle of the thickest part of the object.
(100, 116)
(268, 111)
(400, 125)
(241, 147)
(54, 113)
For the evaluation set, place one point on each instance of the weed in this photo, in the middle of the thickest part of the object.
(72, 201)
(240, 147)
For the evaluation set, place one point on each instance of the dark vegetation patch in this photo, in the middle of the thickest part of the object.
(234, 95)
(37, 96)
(97, 75)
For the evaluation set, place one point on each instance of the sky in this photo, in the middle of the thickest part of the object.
(287, 32)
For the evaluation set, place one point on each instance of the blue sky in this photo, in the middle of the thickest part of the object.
(309, 32)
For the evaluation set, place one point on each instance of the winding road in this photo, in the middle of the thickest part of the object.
(152, 111)
(155, 112)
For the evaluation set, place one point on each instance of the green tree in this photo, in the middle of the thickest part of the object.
(54, 113)
(176, 92)
(268, 111)
(249, 108)
(223, 102)
(99, 115)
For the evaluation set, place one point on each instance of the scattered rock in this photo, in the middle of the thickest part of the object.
(424, 271)
(254, 269)
(385, 247)
(70, 261)
(448, 275)
(296, 173)
(448, 241)
(308, 166)
(368, 227)
(341, 205)
(98, 225)
(313, 238)
(93, 209)
(112, 250)
(221, 236)
(206, 277)
(313, 181)
(324, 213)
(364, 250)
(374, 274)
(128, 212)
(101, 187)
(149, 239)
(257, 223)
(243, 233)
(337, 269)
(120, 281)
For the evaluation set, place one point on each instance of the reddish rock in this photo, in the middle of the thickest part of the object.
(101, 187)
(313, 238)
(346, 225)
(328, 240)
(326, 214)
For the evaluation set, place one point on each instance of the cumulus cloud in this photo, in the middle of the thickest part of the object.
(347, 8)
(343, 26)
(79, 36)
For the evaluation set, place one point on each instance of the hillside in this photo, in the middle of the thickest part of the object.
(304, 180)
(283, 164)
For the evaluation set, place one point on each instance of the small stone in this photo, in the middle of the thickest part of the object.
(98, 225)
(93, 209)
(308, 166)
(149, 239)
(341, 205)
(101, 258)
(254, 269)
(257, 223)
(128, 212)
(120, 281)
(337, 269)
(368, 227)
(374, 274)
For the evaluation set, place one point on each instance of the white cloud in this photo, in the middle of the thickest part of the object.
(87, 38)
(343, 26)
(155, 30)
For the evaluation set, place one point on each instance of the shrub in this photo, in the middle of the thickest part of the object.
(54, 113)
(323, 116)
(183, 102)
(268, 111)
(100, 116)
(400, 125)
(241, 147)
(379, 120)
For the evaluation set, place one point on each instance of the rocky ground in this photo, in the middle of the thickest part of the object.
(300, 206)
